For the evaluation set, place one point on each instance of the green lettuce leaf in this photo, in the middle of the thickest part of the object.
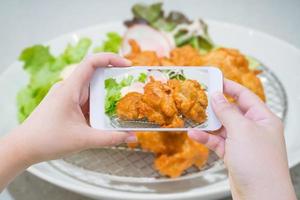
(44, 70)
(149, 13)
(112, 44)
(126, 81)
(201, 42)
(142, 77)
(74, 54)
(35, 57)
(113, 93)
(153, 15)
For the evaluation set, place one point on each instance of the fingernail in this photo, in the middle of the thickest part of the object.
(218, 97)
(192, 134)
(128, 62)
(131, 138)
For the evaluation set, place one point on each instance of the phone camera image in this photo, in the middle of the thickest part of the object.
(154, 98)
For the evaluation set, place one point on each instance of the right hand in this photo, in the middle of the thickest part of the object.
(251, 142)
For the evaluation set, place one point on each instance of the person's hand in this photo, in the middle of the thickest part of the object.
(251, 142)
(58, 126)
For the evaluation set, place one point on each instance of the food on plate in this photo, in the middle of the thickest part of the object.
(189, 154)
(235, 67)
(184, 56)
(181, 56)
(175, 152)
(166, 143)
(152, 38)
(178, 29)
(137, 56)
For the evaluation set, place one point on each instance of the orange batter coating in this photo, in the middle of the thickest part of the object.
(190, 99)
(253, 83)
(162, 142)
(183, 56)
(175, 152)
(235, 67)
(192, 153)
(127, 107)
(163, 103)
(158, 105)
(145, 58)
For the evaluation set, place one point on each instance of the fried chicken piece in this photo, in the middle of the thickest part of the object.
(158, 105)
(175, 151)
(191, 153)
(184, 56)
(137, 57)
(181, 56)
(235, 67)
(253, 83)
(166, 62)
(190, 99)
(128, 106)
(161, 143)
(230, 61)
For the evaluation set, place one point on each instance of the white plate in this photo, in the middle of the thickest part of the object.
(282, 58)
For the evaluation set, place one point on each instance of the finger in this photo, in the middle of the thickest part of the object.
(246, 100)
(225, 111)
(97, 138)
(221, 132)
(84, 72)
(213, 142)
(55, 87)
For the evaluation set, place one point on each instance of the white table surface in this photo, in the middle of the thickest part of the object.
(31, 22)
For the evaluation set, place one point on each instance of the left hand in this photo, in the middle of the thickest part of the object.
(58, 126)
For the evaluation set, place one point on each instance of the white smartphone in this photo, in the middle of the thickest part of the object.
(109, 85)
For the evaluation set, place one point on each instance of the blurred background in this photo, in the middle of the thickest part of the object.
(25, 23)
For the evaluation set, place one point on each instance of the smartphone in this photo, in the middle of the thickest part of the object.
(116, 94)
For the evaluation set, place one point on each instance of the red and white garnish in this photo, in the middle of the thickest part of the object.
(148, 39)
(134, 87)
(158, 76)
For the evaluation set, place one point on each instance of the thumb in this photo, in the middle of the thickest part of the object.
(225, 111)
(97, 138)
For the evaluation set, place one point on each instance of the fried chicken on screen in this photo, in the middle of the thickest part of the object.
(158, 106)
(127, 107)
(190, 99)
